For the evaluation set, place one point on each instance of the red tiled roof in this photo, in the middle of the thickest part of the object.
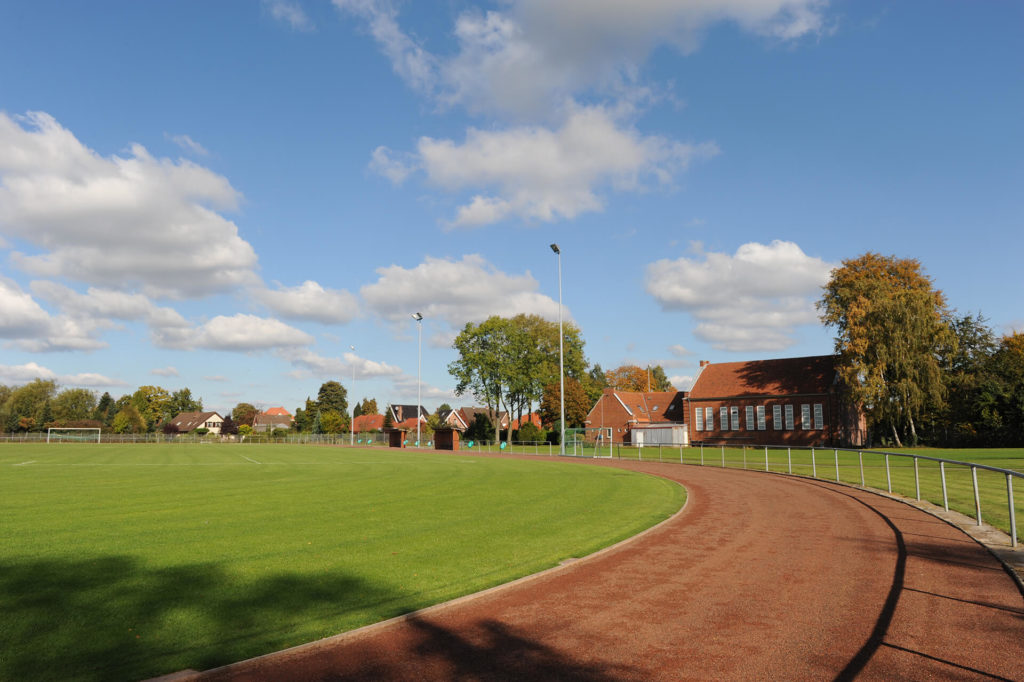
(368, 422)
(533, 418)
(278, 412)
(649, 407)
(408, 424)
(785, 376)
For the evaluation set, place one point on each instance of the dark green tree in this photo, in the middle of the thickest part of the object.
(332, 396)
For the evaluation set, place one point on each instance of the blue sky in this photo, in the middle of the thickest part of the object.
(229, 196)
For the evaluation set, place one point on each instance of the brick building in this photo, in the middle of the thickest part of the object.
(787, 401)
(624, 411)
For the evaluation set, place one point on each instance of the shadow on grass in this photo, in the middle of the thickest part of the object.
(112, 618)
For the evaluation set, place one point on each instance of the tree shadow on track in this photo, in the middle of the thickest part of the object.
(487, 650)
(114, 618)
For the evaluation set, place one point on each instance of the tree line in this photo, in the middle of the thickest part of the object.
(41, 404)
(512, 364)
(922, 373)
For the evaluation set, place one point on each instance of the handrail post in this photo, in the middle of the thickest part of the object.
(744, 456)
(977, 498)
(814, 464)
(888, 475)
(789, 457)
(723, 456)
(945, 496)
(860, 455)
(917, 480)
(1013, 511)
(702, 454)
(766, 458)
(837, 464)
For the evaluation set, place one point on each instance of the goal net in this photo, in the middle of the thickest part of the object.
(591, 442)
(73, 435)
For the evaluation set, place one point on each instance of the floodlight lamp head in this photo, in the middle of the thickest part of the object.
(417, 317)
(554, 247)
(352, 348)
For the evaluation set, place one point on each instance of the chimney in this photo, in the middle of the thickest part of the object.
(704, 363)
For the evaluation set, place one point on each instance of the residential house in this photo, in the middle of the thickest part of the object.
(278, 412)
(469, 414)
(401, 413)
(453, 419)
(368, 422)
(531, 418)
(265, 421)
(661, 415)
(787, 401)
(187, 422)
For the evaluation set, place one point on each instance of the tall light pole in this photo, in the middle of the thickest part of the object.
(352, 426)
(561, 362)
(419, 368)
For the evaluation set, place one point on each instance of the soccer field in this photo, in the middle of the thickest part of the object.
(123, 562)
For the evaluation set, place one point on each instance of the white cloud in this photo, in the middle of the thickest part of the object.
(394, 166)
(679, 351)
(454, 292)
(531, 58)
(189, 145)
(412, 63)
(290, 13)
(165, 372)
(22, 374)
(310, 301)
(91, 380)
(681, 382)
(99, 303)
(236, 333)
(119, 222)
(539, 174)
(308, 360)
(26, 325)
(752, 300)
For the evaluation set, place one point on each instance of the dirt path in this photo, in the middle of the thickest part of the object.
(760, 577)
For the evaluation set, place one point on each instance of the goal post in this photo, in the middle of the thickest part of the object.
(73, 434)
(589, 442)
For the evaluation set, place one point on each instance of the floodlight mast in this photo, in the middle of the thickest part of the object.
(561, 362)
(419, 371)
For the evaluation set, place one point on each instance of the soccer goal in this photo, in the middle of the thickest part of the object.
(73, 435)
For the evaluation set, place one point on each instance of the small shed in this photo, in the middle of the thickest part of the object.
(396, 437)
(660, 434)
(446, 439)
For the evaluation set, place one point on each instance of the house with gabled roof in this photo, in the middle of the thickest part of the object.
(278, 412)
(453, 419)
(784, 401)
(626, 412)
(469, 414)
(368, 422)
(265, 422)
(401, 413)
(187, 422)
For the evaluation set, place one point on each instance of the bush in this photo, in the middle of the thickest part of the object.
(528, 433)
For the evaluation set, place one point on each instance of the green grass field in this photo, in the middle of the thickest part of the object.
(822, 464)
(123, 562)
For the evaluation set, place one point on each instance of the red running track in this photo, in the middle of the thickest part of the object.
(759, 577)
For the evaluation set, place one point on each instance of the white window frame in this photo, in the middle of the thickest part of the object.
(709, 419)
(761, 426)
(805, 417)
(734, 417)
(819, 416)
(750, 417)
(777, 417)
(789, 416)
(698, 419)
(723, 418)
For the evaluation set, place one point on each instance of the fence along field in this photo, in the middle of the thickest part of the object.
(125, 562)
